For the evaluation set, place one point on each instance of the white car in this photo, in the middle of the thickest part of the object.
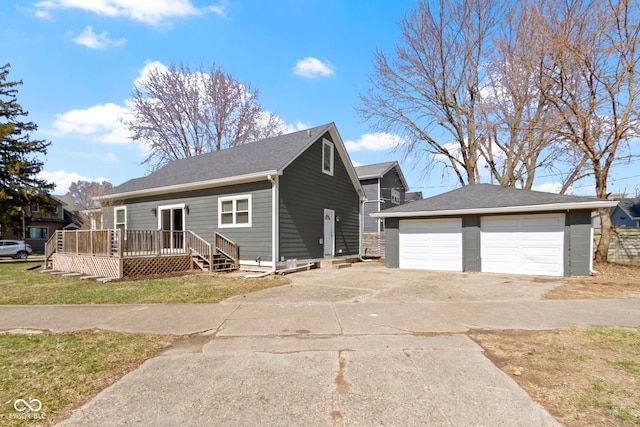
(14, 249)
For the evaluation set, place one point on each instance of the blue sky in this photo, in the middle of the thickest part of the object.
(78, 61)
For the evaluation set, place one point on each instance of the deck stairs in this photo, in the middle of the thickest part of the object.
(216, 263)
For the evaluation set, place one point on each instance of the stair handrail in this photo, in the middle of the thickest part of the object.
(51, 246)
(227, 248)
(198, 246)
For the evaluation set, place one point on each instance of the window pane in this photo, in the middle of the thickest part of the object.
(226, 218)
(242, 218)
(326, 153)
(120, 216)
(242, 205)
(227, 206)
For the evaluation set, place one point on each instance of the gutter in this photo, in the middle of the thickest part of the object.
(498, 210)
(220, 182)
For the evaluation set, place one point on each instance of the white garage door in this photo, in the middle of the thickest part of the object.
(523, 244)
(431, 244)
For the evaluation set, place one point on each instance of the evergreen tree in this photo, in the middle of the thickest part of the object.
(20, 186)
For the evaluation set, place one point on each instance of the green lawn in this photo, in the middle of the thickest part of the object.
(55, 373)
(18, 285)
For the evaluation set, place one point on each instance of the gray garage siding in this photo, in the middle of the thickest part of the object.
(471, 243)
(202, 218)
(305, 191)
(577, 256)
(578, 243)
(392, 242)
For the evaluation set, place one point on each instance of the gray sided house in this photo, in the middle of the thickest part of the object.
(493, 229)
(294, 196)
(384, 187)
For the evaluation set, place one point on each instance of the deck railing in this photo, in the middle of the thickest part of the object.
(135, 243)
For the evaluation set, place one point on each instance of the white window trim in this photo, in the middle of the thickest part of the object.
(234, 211)
(171, 207)
(115, 216)
(395, 196)
(326, 144)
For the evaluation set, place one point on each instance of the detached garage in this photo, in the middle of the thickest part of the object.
(493, 229)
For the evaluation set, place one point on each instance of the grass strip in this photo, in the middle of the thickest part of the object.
(20, 286)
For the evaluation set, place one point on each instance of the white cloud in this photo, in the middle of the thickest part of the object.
(149, 66)
(553, 187)
(101, 122)
(312, 67)
(97, 41)
(152, 12)
(294, 127)
(374, 142)
(62, 179)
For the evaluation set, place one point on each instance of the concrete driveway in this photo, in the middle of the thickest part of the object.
(362, 346)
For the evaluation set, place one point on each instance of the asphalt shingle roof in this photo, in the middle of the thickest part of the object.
(486, 196)
(261, 156)
(375, 170)
(631, 206)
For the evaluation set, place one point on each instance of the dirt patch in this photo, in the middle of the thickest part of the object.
(610, 281)
(583, 377)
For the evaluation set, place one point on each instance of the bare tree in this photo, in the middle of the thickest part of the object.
(83, 194)
(519, 121)
(179, 112)
(429, 92)
(593, 61)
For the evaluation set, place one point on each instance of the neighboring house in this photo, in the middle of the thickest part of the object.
(412, 196)
(294, 196)
(43, 223)
(493, 229)
(384, 187)
(626, 214)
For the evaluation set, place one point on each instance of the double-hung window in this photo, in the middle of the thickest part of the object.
(234, 211)
(327, 157)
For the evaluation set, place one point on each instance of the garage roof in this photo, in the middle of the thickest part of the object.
(487, 198)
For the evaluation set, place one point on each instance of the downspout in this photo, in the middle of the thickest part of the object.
(274, 229)
(275, 238)
(591, 270)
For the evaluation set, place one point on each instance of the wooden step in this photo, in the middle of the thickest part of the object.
(337, 263)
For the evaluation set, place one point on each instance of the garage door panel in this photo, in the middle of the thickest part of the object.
(532, 244)
(431, 244)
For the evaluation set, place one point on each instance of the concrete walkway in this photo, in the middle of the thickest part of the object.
(351, 347)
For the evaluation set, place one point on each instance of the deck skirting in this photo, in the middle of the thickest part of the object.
(118, 268)
(88, 265)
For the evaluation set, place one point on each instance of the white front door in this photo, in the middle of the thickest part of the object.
(329, 232)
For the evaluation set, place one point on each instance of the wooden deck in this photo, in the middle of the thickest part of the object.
(114, 254)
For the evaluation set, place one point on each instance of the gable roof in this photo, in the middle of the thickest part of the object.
(631, 207)
(256, 161)
(487, 198)
(379, 170)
